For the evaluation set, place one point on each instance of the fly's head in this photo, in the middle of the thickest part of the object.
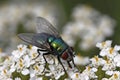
(68, 54)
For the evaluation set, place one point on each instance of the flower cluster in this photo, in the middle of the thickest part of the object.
(24, 63)
(108, 62)
(88, 25)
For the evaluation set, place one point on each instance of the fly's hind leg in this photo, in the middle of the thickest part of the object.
(69, 64)
(75, 65)
(73, 62)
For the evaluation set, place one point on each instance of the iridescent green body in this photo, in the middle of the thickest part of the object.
(58, 44)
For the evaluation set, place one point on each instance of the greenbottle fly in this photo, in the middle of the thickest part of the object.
(48, 39)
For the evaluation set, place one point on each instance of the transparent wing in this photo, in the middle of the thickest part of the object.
(32, 39)
(44, 26)
(27, 37)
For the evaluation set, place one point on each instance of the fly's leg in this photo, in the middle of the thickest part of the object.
(75, 65)
(61, 64)
(45, 60)
(38, 51)
(69, 64)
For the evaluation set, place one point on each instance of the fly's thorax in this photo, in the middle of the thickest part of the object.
(58, 45)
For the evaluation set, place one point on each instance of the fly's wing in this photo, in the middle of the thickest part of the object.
(44, 26)
(29, 38)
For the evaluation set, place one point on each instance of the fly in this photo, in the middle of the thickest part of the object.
(48, 39)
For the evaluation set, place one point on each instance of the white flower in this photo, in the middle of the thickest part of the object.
(34, 55)
(90, 72)
(21, 51)
(36, 70)
(87, 25)
(110, 52)
(40, 78)
(33, 52)
(106, 26)
(109, 72)
(105, 44)
(5, 73)
(17, 78)
(108, 65)
(96, 61)
(28, 61)
(76, 76)
(82, 11)
(115, 76)
(117, 60)
(84, 77)
(36, 78)
(56, 71)
(25, 72)
(79, 60)
(50, 59)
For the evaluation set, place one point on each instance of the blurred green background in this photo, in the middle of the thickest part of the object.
(108, 7)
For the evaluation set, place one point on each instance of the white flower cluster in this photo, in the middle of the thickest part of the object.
(89, 26)
(22, 14)
(23, 62)
(105, 67)
(109, 61)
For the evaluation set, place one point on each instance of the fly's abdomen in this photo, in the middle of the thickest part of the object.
(59, 45)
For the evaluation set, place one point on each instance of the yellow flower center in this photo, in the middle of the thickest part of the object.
(103, 44)
(115, 76)
(107, 61)
(77, 76)
(7, 57)
(34, 55)
(36, 68)
(5, 71)
(21, 63)
(21, 60)
(30, 46)
(88, 68)
(111, 50)
(96, 58)
(20, 49)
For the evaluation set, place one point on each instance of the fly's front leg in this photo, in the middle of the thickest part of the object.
(38, 51)
(45, 59)
(61, 64)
